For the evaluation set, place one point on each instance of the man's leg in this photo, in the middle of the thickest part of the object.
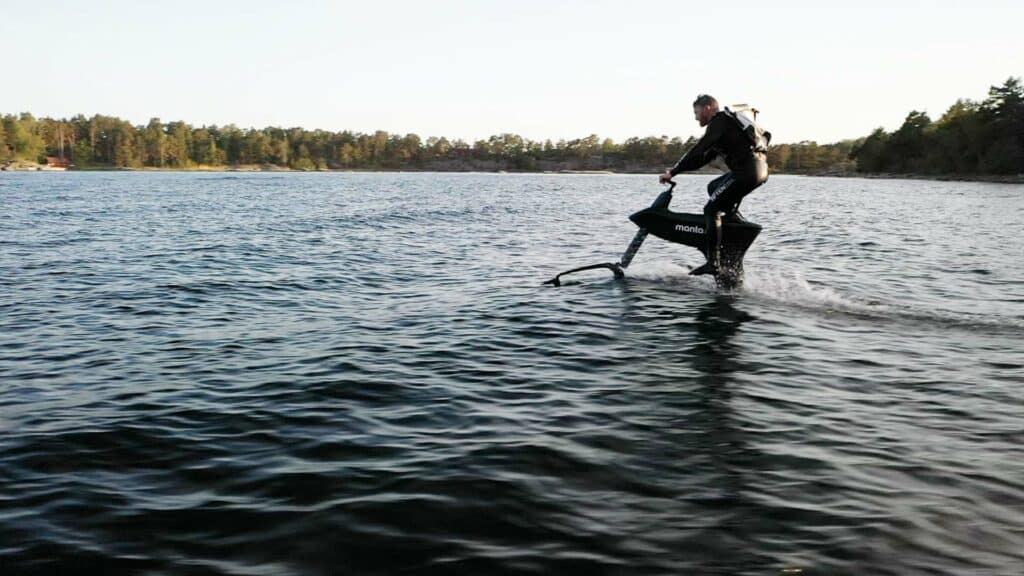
(723, 197)
(732, 213)
(719, 183)
(725, 194)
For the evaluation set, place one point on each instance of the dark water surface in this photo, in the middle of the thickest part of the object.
(361, 373)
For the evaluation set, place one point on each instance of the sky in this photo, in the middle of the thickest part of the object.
(546, 69)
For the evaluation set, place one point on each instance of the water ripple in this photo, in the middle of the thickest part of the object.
(324, 373)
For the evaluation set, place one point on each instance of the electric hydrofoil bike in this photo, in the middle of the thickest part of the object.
(682, 228)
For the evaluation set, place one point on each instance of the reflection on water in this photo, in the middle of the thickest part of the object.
(713, 355)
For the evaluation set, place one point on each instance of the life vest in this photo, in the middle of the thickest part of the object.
(759, 137)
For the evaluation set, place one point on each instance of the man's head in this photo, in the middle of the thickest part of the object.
(704, 107)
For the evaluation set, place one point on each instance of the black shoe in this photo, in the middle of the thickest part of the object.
(707, 268)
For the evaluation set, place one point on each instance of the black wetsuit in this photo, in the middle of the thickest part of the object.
(747, 170)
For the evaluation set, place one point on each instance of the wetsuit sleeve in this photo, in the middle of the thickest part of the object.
(703, 151)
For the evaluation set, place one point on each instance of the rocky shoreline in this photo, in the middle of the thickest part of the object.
(28, 166)
(23, 166)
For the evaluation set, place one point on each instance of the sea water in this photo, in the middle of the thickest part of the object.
(333, 373)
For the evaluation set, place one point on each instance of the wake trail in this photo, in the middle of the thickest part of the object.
(790, 288)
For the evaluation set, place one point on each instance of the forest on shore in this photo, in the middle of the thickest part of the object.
(971, 139)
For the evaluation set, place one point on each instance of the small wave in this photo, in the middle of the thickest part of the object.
(244, 176)
(668, 272)
(792, 288)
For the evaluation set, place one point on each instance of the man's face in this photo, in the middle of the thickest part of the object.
(702, 114)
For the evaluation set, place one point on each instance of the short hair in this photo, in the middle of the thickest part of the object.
(705, 100)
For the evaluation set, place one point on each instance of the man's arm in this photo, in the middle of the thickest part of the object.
(703, 151)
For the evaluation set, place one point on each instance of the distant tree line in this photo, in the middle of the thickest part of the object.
(984, 137)
(970, 138)
(104, 141)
